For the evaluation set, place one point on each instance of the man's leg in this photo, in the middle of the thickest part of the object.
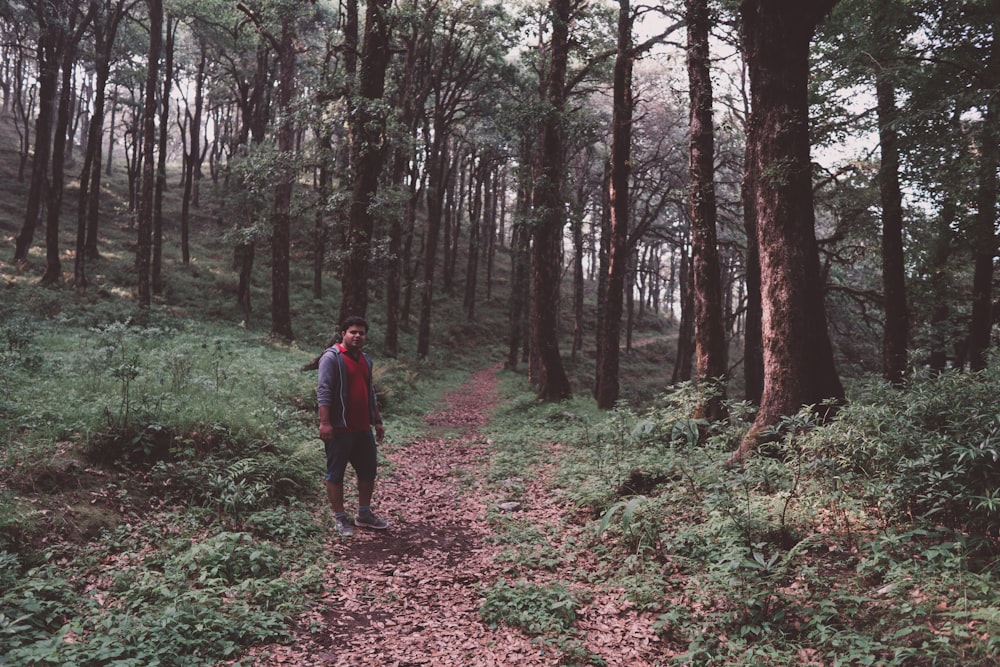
(335, 493)
(366, 489)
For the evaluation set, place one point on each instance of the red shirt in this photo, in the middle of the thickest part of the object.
(357, 416)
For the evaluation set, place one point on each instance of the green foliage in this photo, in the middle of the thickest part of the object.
(930, 452)
(538, 609)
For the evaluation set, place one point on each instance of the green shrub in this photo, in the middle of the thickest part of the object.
(535, 608)
(930, 452)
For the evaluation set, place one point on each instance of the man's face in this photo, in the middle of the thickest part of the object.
(354, 338)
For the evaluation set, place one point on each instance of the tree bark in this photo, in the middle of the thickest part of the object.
(145, 222)
(161, 157)
(367, 156)
(281, 315)
(47, 50)
(798, 356)
(709, 332)
(88, 209)
(608, 355)
(192, 166)
(437, 182)
(553, 384)
(895, 334)
(479, 180)
(984, 232)
(53, 265)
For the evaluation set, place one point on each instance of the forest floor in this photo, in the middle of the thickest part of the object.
(410, 595)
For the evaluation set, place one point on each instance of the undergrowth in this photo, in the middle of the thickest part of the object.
(870, 540)
(160, 485)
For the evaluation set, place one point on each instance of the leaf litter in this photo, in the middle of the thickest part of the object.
(410, 595)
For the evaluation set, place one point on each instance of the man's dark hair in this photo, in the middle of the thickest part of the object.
(353, 321)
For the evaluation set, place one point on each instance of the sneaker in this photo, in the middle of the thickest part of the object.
(369, 520)
(343, 525)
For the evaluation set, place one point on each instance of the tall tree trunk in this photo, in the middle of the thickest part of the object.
(608, 356)
(798, 356)
(520, 263)
(367, 155)
(192, 166)
(940, 254)
(546, 269)
(578, 284)
(709, 332)
(53, 265)
(145, 226)
(896, 331)
(161, 156)
(111, 155)
(48, 86)
(603, 251)
(281, 314)
(88, 208)
(478, 175)
(437, 182)
(984, 232)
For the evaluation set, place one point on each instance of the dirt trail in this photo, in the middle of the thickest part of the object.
(410, 595)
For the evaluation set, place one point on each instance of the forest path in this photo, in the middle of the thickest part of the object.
(410, 595)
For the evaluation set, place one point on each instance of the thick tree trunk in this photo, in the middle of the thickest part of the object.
(984, 232)
(896, 331)
(281, 315)
(607, 386)
(48, 87)
(798, 356)
(710, 338)
(53, 265)
(553, 384)
(88, 209)
(367, 150)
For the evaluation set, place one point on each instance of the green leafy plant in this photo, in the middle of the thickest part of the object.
(538, 609)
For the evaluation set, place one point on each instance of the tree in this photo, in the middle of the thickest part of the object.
(145, 226)
(53, 40)
(607, 387)
(798, 356)
(552, 382)
(984, 224)
(895, 336)
(105, 27)
(367, 156)
(75, 27)
(710, 339)
(281, 315)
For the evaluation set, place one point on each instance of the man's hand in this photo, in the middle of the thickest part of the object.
(325, 431)
(379, 432)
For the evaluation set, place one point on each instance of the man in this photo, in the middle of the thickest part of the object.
(348, 410)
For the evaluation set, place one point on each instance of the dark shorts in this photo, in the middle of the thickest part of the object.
(356, 448)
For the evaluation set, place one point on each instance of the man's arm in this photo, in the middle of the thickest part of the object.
(325, 425)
